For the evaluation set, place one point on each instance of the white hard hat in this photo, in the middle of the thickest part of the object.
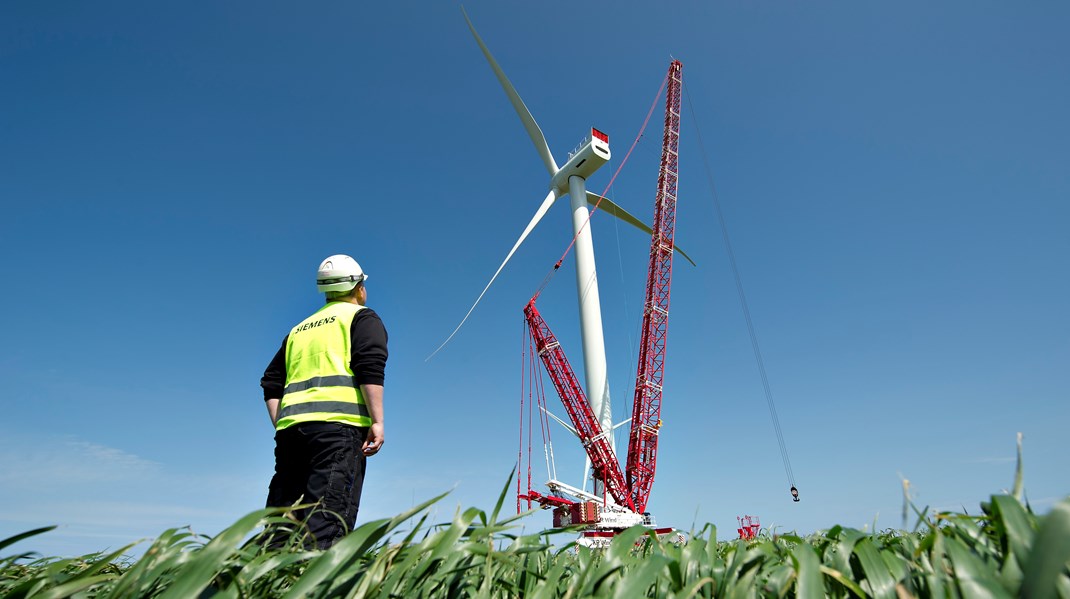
(339, 273)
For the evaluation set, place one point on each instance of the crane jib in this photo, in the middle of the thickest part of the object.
(595, 443)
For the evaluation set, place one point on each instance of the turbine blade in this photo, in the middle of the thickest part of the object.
(606, 204)
(546, 203)
(522, 111)
(562, 422)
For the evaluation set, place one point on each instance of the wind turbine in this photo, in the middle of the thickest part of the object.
(569, 179)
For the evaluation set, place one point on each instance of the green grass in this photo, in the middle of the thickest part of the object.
(1006, 551)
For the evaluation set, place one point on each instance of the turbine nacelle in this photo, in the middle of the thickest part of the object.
(592, 154)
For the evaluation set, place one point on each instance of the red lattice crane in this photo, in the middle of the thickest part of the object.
(629, 488)
(650, 373)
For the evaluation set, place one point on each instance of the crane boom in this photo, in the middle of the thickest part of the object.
(646, 410)
(595, 441)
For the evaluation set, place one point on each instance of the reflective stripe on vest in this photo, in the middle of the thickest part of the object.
(334, 407)
(340, 380)
(320, 386)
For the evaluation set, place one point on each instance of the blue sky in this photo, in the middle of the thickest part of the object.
(894, 178)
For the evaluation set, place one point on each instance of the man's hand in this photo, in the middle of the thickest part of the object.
(373, 442)
(373, 398)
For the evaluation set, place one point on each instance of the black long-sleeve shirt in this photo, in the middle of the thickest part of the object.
(367, 358)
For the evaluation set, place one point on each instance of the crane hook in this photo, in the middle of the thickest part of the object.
(794, 494)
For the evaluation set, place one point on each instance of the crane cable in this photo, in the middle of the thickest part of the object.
(531, 385)
(639, 136)
(746, 309)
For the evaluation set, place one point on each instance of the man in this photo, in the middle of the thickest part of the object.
(324, 394)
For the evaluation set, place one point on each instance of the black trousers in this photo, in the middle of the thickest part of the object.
(320, 463)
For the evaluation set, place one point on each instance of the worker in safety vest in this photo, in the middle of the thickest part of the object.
(324, 393)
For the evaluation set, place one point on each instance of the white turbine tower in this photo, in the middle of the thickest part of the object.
(569, 180)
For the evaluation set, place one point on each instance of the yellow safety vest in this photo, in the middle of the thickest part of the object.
(320, 386)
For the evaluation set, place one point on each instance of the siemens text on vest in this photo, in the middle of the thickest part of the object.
(309, 325)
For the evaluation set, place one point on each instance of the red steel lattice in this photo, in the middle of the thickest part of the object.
(595, 442)
(646, 414)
